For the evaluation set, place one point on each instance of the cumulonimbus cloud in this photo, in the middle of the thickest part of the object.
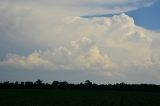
(97, 44)
(45, 39)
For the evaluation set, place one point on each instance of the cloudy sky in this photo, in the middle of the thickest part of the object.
(105, 41)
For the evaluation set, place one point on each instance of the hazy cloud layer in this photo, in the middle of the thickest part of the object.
(48, 38)
(81, 7)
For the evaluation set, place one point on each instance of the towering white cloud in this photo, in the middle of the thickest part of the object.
(52, 39)
(97, 44)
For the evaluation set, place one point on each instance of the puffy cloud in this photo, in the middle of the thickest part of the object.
(59, 59)
(102, 43)
(22, 20)
(30, 62)
(94, 59)
(53, 40)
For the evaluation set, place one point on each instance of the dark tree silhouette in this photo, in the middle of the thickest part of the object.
(55, 84)
(88, 84)
(38, 84)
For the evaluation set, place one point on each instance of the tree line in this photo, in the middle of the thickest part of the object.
(39, 84)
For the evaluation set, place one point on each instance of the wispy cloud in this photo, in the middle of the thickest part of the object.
(84, 7)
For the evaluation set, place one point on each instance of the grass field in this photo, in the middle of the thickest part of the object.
(17, 97)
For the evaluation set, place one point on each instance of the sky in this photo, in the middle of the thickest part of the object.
(104, 41)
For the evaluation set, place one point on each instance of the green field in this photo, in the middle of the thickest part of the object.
(16, 97)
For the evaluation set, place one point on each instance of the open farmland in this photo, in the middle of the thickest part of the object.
(44, 97)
